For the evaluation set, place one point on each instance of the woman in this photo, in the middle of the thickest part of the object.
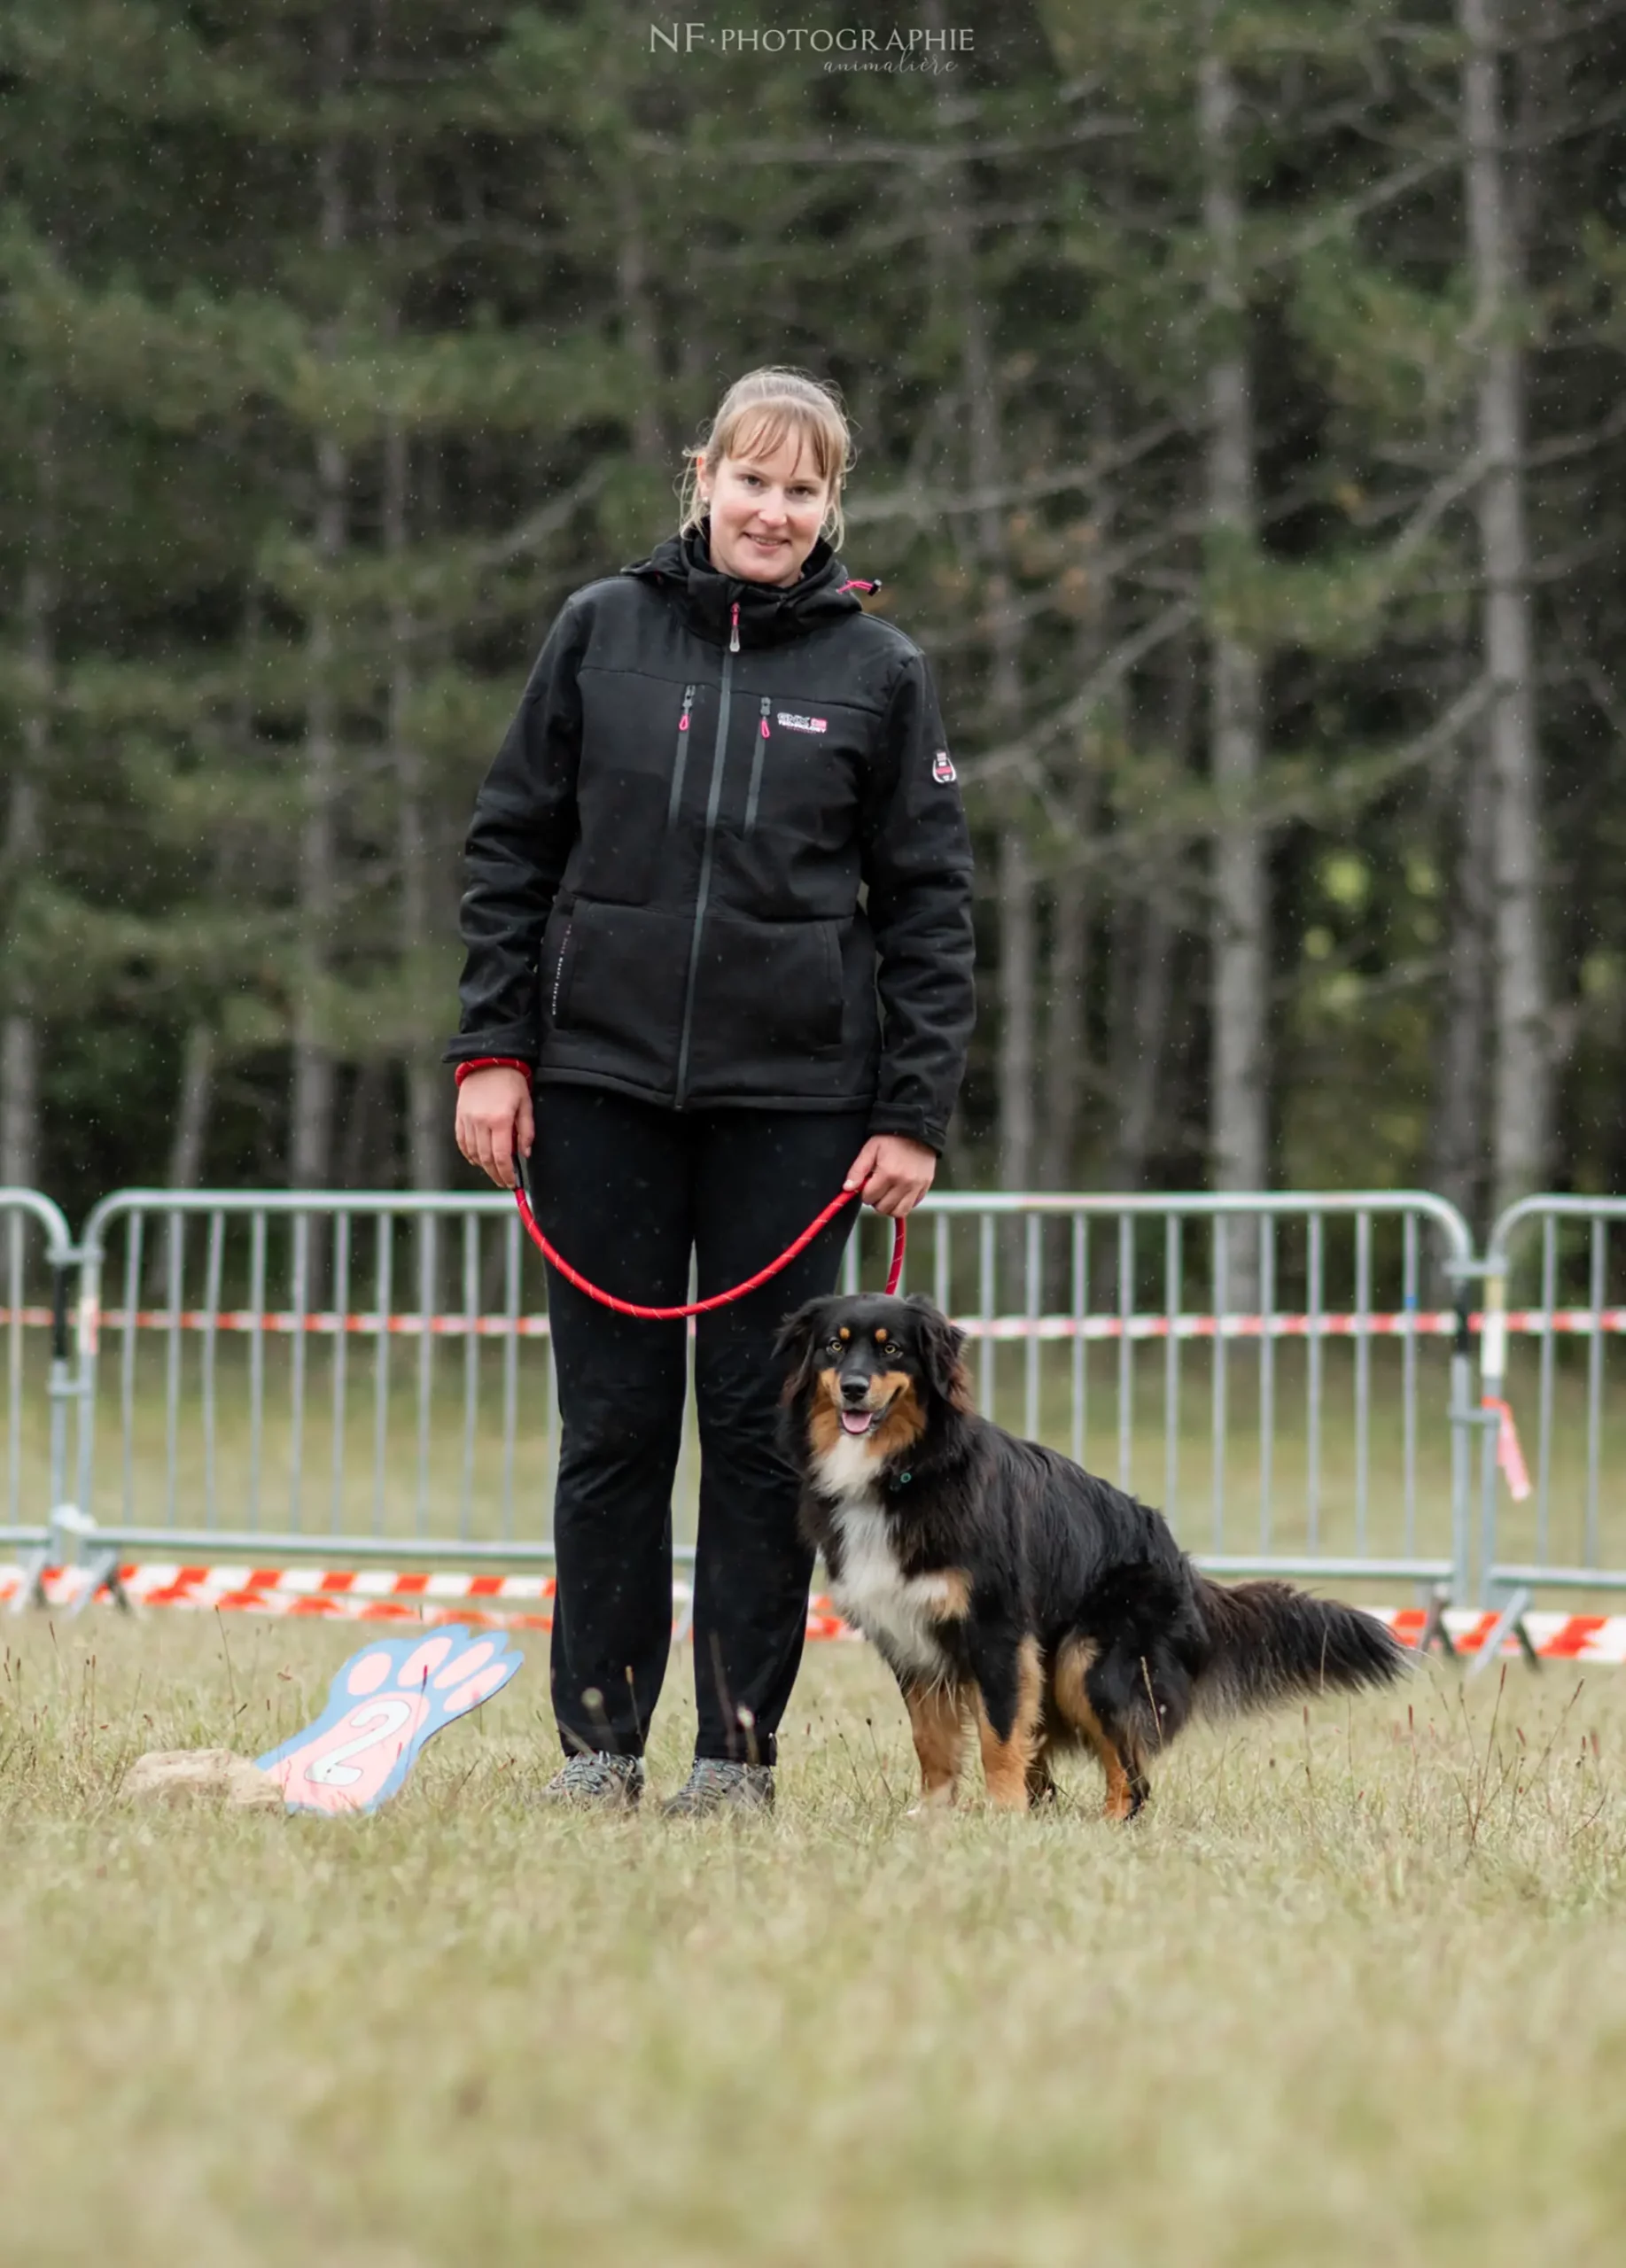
(719, 916)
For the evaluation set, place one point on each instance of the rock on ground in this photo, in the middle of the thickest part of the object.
(179, 1775)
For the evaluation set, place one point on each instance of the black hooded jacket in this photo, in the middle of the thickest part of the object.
(720, 856)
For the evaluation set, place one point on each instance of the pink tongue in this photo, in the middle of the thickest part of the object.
(856, 1421)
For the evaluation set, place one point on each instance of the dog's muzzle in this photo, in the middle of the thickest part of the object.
(859, 1414)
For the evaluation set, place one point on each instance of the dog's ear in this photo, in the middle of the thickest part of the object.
(799, 1335)
(940, 1345)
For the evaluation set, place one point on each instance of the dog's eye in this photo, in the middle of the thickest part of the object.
(891, 1351)
(835, 1347)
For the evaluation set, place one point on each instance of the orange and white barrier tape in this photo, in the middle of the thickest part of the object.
(1599, 1638)
(525, 1601)
(352, 1595)
(317, 1594)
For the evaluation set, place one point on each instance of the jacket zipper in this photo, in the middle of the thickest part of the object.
(558, 972)
(733, 629)
(756, 770)
(714, 799)
(681, 758)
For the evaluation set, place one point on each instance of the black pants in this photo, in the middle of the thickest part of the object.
(626, 1191)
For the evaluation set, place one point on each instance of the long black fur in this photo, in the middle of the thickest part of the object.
(1052, 1553)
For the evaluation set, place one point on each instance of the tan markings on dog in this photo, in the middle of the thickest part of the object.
(1005, 1762)
(881, 1336)
(844, 1333)
(905, 1422)
(1074, 1663)
(955, 1588)
(1120, 1802)
(1075, 1659)
(823, 1424)
(936, 1720)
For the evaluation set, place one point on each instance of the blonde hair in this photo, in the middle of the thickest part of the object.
(762, 410)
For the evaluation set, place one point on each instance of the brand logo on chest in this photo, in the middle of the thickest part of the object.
(794, 721)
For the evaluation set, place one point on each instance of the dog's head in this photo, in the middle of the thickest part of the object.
(872, 1369)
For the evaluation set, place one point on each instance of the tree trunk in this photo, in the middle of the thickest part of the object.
(366, 1159)
(1064, 1072)
(1238, 1112)
(1521, 1099)
(949, 189)
(19, 1101)
(1065, 1065)
(1149, 987)
(1147, 939)
(427, 1089)
(649, 449)
(191, 1128)
(1017, 958)
(1457, 1144)
(428, 1108)
(311, 1131)
(19, 1038)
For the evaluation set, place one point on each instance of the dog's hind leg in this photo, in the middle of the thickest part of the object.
(939, 1725)
(1091, 1717)
(1010, 1711)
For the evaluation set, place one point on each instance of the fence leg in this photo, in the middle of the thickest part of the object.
(1434, 1624)
(102, 1572)
(1462, 1425)
(31, 1590)
(1492, 1389)
(62, 1389)
(1510, 1618)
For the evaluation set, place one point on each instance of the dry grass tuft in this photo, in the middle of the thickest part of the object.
(1354, 1990)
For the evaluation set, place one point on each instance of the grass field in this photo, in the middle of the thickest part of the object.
(1354, 1990)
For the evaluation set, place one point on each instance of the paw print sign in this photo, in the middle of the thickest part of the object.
(382, 1707)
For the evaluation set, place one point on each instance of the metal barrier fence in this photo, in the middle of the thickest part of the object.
(368, 1376)
(35, 1458)
(1548, 1353)
(1327, 1417)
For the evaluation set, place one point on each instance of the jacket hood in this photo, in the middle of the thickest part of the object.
(769, 613)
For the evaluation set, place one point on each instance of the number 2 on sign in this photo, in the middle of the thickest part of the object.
(374, 1722)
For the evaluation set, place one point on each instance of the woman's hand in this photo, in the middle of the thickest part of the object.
(893, 1172)
(495, 1120)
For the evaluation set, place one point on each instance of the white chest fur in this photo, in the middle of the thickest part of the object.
(898, 1613)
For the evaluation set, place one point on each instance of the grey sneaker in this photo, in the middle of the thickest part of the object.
(598, 1779)
(714, 1784)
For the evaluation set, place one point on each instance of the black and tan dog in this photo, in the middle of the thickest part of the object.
(1003, 1583)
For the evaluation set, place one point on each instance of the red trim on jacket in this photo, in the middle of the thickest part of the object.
(492, 1063)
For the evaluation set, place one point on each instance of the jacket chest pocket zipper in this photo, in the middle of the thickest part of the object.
(756, 768)
(681, 758)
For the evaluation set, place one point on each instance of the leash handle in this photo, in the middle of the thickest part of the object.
(522, 1199)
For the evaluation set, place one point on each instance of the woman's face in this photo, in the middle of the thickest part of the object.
(767, 509)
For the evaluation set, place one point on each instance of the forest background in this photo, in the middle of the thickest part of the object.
(1237, 399)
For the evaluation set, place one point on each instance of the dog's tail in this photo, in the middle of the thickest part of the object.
(1270, 1642)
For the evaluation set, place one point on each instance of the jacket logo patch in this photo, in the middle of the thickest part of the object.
(942, 768)
(794, 723)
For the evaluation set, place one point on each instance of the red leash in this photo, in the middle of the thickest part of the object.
(719, 1299)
